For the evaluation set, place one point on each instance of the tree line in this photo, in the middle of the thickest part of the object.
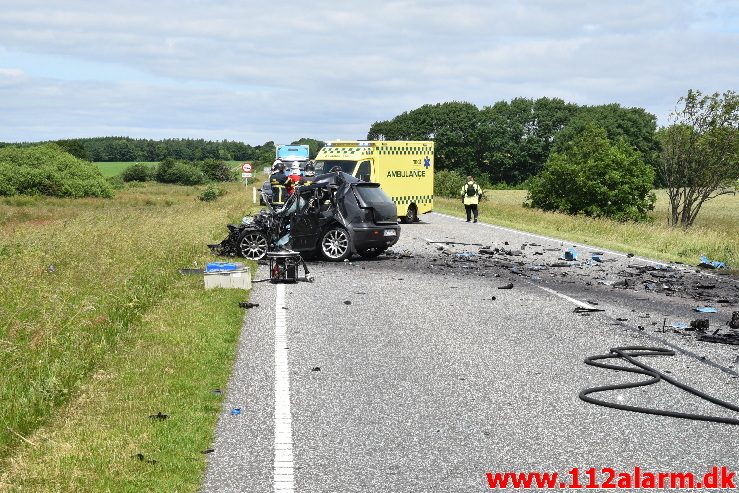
(127, 149)
(509, 141)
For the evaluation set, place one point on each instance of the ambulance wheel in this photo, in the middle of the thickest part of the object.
(411, 215)
(252, 245)
(335, 244)
(371, 252)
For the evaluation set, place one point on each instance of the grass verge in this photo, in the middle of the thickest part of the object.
(77, 277)
(170, 363)
(715, 234)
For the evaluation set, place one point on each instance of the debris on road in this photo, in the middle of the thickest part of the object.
(316, 368)
(734, 322)
(247, 304)
(707, 263)
(506, 286)
(235, 411)
(569, 255)
(705, 309)
(584, 309)
(700, 324)
(347, 302)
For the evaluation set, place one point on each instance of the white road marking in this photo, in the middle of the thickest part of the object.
(588, 247)
(284, 479)
(577, 302)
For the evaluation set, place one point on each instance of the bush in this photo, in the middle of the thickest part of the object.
(49, 170)
(448, 183)
(137, 172)
(216, 170)
(211, 193)
(179, 172)
(596, 178)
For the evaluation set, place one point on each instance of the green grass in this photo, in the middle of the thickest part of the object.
(715, 233)
(116, 168)
(79, 280)
(180, 352)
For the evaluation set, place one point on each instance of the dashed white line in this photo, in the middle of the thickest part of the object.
(284, 478)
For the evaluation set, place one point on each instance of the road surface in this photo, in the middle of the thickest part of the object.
(403, 374)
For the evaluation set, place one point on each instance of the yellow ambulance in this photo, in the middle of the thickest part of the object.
(404, 170)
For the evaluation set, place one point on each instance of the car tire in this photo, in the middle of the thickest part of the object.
(370, 253)
(411, 215)
(335, 244)
(252, 245)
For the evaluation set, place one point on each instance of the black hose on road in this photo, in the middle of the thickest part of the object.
(630, 353)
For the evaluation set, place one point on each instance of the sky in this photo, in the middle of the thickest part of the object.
(281, 70)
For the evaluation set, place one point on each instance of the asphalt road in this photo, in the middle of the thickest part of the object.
(405, 375)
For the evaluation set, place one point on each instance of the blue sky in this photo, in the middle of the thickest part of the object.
(258, 71)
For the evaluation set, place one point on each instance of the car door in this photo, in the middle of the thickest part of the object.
(304, 227)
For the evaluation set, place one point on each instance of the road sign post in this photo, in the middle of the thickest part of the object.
(246, 173)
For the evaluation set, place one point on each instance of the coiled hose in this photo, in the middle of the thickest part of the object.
(630, 353)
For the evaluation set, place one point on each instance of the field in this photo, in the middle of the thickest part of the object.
(109, 169)
(715, 233)
(114, 168)
(98, 330)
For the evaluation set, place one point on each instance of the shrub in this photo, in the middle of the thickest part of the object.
(596, 178)
(49, 170)
(179, 172)
(216, 170)
(137, 172)
(448, 183)
(211, 193)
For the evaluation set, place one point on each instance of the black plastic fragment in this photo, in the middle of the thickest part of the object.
(160, 416)
(506, 286)
(247, 304)
(700, 324)
(582, 309)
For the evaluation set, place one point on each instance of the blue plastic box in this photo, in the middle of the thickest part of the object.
(223, 266)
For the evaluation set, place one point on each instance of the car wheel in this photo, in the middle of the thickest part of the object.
(411, 215)
(335, 244)
(253, 245)
(371, 252)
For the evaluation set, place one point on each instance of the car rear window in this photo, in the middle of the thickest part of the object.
(372, 194)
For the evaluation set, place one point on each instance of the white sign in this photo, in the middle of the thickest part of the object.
(246, 175)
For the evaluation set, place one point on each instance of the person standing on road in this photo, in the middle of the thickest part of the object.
(277, 179)
(471, 193)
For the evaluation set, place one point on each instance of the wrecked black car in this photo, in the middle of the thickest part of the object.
(336, 216)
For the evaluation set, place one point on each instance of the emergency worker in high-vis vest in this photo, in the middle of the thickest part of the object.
(471, 193)
(277, 179)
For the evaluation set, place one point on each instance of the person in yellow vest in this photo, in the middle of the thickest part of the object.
(471, 193)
